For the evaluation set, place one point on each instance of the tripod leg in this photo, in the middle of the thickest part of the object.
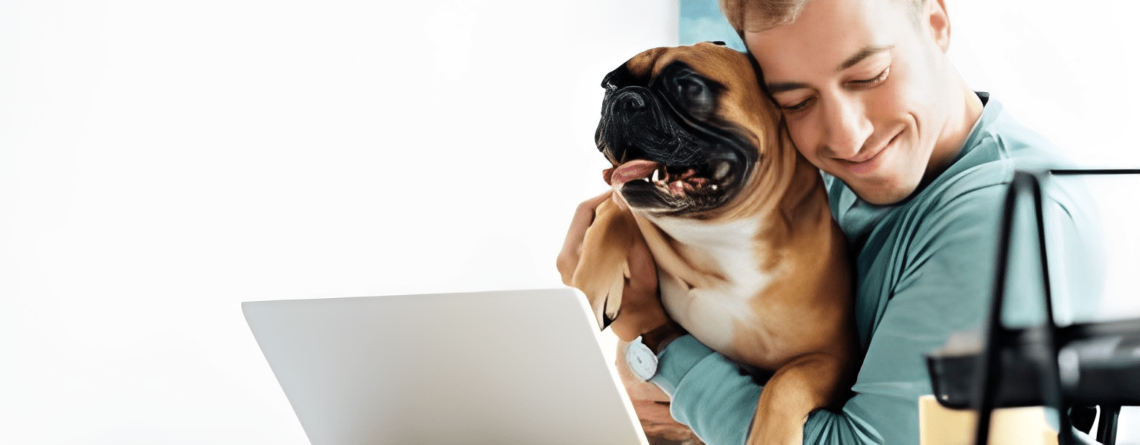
(1106, 429)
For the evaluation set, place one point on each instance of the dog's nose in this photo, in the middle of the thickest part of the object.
(629, 100)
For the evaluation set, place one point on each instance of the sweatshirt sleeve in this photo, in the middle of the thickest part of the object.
(708, 392)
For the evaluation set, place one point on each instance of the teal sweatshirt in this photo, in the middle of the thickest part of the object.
(925, 269)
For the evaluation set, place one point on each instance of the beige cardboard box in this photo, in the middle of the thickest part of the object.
(938, 425)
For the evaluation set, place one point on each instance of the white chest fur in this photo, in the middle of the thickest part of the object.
(728, 250)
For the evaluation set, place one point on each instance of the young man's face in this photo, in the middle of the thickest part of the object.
(862, 90)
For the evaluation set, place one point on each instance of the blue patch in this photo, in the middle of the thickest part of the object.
(701, 21)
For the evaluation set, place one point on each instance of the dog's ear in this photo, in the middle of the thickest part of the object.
(638, 70)
(617, 79)
(603, 266)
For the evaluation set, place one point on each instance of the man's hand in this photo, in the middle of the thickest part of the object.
(641, 309)
(572, 246)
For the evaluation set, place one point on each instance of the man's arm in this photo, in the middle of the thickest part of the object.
(708, 392)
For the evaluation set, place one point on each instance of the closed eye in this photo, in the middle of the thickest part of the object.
(797, 107)
(872, 81)
(858, 84)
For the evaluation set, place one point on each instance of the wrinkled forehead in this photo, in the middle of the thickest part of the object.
(828, 38)
(709, 60)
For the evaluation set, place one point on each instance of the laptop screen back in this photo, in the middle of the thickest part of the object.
(474, 368)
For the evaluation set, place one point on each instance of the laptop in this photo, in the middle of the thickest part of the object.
(507, 367)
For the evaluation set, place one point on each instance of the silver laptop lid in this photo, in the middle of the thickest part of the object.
(509, 367)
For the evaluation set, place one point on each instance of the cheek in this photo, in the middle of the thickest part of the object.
(805, 135)
(885, 104)
(915, 87)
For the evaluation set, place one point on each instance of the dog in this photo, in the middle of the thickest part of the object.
(749, 259)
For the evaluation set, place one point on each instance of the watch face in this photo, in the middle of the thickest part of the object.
(641, 360)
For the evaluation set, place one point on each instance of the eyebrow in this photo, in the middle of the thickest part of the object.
(780, 87)
(862, 54)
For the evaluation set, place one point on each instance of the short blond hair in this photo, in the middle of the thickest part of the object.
(761, 15)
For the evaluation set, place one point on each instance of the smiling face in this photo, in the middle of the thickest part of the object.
(867, 93)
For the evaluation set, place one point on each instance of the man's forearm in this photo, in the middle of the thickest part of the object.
(711, 396)
(708, 392)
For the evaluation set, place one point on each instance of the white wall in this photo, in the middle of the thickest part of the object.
(160, 162)
(1069, 70)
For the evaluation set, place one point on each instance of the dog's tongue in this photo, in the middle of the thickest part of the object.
(629, 171)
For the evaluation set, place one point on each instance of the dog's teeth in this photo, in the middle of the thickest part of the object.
(721, 170)
(656, 175)
(677, 187)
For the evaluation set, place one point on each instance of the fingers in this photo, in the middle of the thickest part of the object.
(572, 246)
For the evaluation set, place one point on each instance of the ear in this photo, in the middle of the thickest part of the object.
(617, 79)
(635, 71)
(937, 21)
(603, 267)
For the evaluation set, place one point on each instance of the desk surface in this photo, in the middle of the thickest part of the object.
(938, 425)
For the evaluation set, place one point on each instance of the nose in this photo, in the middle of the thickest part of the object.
(628, 100)
(846, 127)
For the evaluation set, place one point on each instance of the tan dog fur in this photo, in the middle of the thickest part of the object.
(789, 309)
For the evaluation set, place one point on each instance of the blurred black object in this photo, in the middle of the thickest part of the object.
(1069, 368)
(1099, 363)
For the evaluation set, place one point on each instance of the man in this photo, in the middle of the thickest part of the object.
(917, 166)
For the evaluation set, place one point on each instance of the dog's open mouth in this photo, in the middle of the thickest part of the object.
(675, 181)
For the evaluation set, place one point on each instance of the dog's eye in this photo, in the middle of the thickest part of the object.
(689, 89)
(694, 95)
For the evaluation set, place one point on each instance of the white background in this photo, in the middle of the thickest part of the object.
(161, 162)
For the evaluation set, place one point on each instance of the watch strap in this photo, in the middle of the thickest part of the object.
(658, 337)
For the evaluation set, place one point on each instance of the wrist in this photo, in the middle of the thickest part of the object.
(657, 338)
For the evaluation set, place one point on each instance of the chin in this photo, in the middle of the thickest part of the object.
(885, 195)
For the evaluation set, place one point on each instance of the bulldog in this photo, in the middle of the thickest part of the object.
(748, 257)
